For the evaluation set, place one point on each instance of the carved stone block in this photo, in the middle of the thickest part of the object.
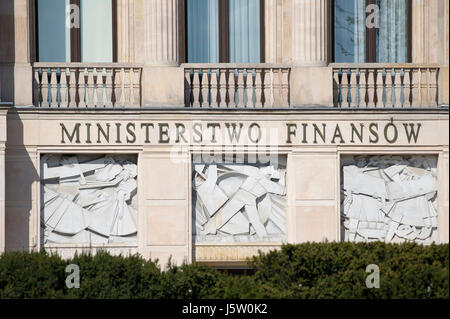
(389, 198)
(88, 199)
(239, 202)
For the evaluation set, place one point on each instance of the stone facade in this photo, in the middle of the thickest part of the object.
(150, 109)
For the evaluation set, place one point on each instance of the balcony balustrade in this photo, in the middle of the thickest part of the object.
(86, 85)
(236, 85)
(369, 85)
(385, 86)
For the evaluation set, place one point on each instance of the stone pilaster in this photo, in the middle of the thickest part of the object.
(159, 39)
(430, 39)
(125, 31)
(15, 48)
(157, 24)
(278, 31)
(428, 35)
(311, 25)
(310, 53)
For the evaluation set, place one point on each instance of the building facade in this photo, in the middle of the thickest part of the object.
(206, 130)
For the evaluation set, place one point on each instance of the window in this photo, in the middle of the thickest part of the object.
(225, 31)
(91, 39)
(372, 31)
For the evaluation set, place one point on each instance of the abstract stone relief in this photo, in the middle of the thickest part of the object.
(88, 199)
(239, 202)
(389, 198)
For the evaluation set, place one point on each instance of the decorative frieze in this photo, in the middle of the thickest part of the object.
(88, 199)
(389, 198)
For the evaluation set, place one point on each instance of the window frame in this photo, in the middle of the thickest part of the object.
(224, 31)
(371, 36)
(75, 34)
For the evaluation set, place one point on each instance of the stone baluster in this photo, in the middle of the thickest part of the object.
(205, 88)
(398, 88)
(345, 87)
(389, 88)
(109, 87)
(336, 87)
(196, 88)
(258, 88)
(44, 86)
(371, 88)
(54, 87)
(379, 88)
(73, 87)
(240, 88)
(362, 88)
(131, 81)
(187, 88)
(63, 88)
(223, 87)
(407, 88)
(214, 83)
(353, 88)
(249, 88)
(231, 88)
(37, 88)
(100, 89)
(90, 88)
(126, 87)
(285, 87)
(118, 92)
(268, 92)
(276, 87)
(82, 87)
(137, 87)
(424, 94)
(415, 87)
(433, 87)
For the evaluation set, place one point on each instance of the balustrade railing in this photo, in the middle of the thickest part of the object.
(385, 86)
(86, 85)
(236, 85)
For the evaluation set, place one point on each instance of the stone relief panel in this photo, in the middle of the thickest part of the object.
(239, 202)
(88, 199)
(389, 198)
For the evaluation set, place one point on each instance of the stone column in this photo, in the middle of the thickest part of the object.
(311, 32)
(311, 78)
(15, 48)
(157, 25)
(158, 38)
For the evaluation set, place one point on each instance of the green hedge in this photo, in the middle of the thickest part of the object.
(312, 270)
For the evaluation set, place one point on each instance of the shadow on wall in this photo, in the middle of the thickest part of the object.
(7, 50)
(21, 177)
